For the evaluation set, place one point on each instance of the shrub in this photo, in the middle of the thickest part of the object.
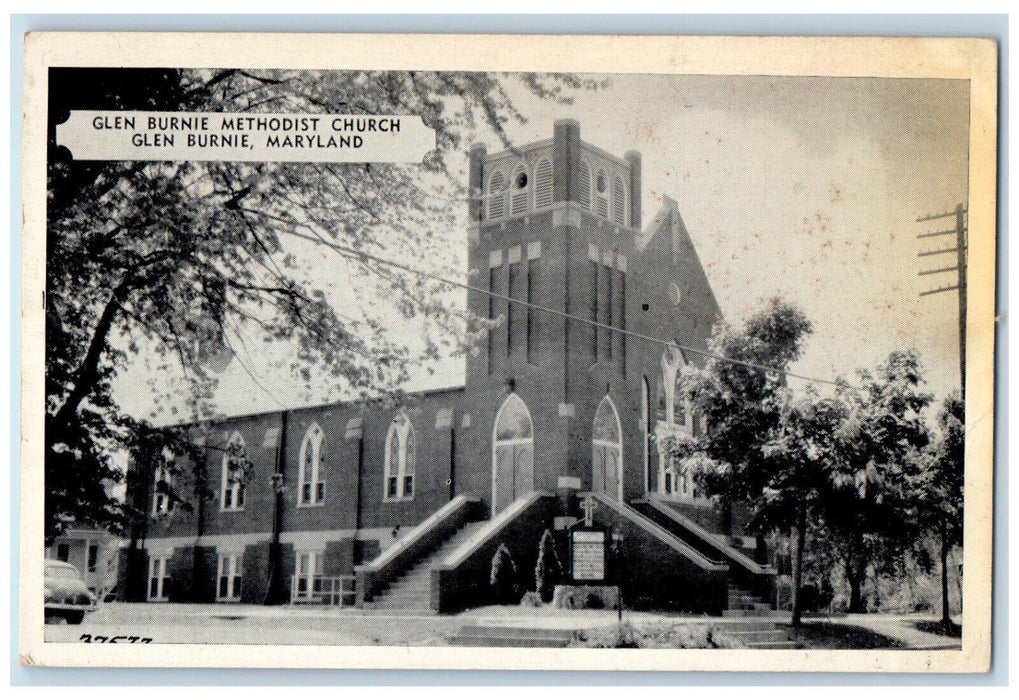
(530, 600)
(504, 576)
(549, 570)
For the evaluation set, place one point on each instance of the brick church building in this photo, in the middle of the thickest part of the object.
(403, 507)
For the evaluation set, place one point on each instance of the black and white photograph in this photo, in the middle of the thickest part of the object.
(508, 368)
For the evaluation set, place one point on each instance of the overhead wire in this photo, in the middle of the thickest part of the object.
(349, 252)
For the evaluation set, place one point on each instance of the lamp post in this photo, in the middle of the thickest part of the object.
(617, 559)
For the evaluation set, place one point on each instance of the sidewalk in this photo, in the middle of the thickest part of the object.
(901, 629)
(360, 622)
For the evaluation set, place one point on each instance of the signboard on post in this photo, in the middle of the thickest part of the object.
(587, 555)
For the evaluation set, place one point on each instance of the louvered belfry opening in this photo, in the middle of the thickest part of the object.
(543, 184)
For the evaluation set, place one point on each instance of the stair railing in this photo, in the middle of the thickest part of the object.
(374, 576)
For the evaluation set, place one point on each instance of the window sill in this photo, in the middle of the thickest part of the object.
(229, 600)
(319, 504)
(231, 510)
(401, 499)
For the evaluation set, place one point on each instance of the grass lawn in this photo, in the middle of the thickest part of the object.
(835, 635)
(953, 629)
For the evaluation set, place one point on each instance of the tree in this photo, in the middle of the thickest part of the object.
(869, 508)
(940, 487)
(189, 263)
(797, 459)
(503, 576)
(744, 454)
(548, 570)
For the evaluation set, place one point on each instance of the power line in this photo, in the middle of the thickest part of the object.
(960, 231)
(352, 253)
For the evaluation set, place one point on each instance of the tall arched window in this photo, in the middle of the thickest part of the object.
(543, 183)
(309, 474)
(520, 190)
(401, 453)
(660, 399)
(512, 453)
(681, 414)
(162, 488)
(618, 200)
(607, 450)
(601, 194)
(235, 462)
(584, 185)
(672, 478)
(497, 195)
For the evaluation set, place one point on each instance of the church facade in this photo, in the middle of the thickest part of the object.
(593, 317)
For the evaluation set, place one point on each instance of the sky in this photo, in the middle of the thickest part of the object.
(804, 188)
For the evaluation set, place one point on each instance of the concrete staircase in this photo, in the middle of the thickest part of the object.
(497, 636)
(755, 634)
(411, 593)
(743, 603)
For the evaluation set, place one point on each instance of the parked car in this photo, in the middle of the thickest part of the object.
(67, 596)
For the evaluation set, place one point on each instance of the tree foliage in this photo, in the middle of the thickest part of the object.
(940, 487)
(548, 570)
(853, 469)
(742, 403)
(503, 576)
(192, 263)
(869, 508)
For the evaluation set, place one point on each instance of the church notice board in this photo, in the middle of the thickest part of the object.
(826, 172)
(587, 555)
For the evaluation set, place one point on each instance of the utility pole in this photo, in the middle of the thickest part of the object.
(960, 231)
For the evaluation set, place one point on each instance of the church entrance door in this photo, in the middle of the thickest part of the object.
(512, 454)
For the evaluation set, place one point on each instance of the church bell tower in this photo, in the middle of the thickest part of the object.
(553, 225)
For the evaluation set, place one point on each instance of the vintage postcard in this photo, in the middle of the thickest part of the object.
(509, 352)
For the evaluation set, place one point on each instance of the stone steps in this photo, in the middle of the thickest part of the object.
(767, 612)
(412, 591)
(741, 600)
(772, 645)
(409, 612)
(756, 634)
(745, 624)
(502, 636)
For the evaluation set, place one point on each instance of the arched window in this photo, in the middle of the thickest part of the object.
(497, 195)
(162, 488)
(235, 462)
(309, 474)
(584, 185)
(672, 478)
(512, 453)
(543, 183)
(607, 450)
(401, 453)
(619, 200)
(660, 399)
(520, 190)
(601, 194)
(681, 414)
